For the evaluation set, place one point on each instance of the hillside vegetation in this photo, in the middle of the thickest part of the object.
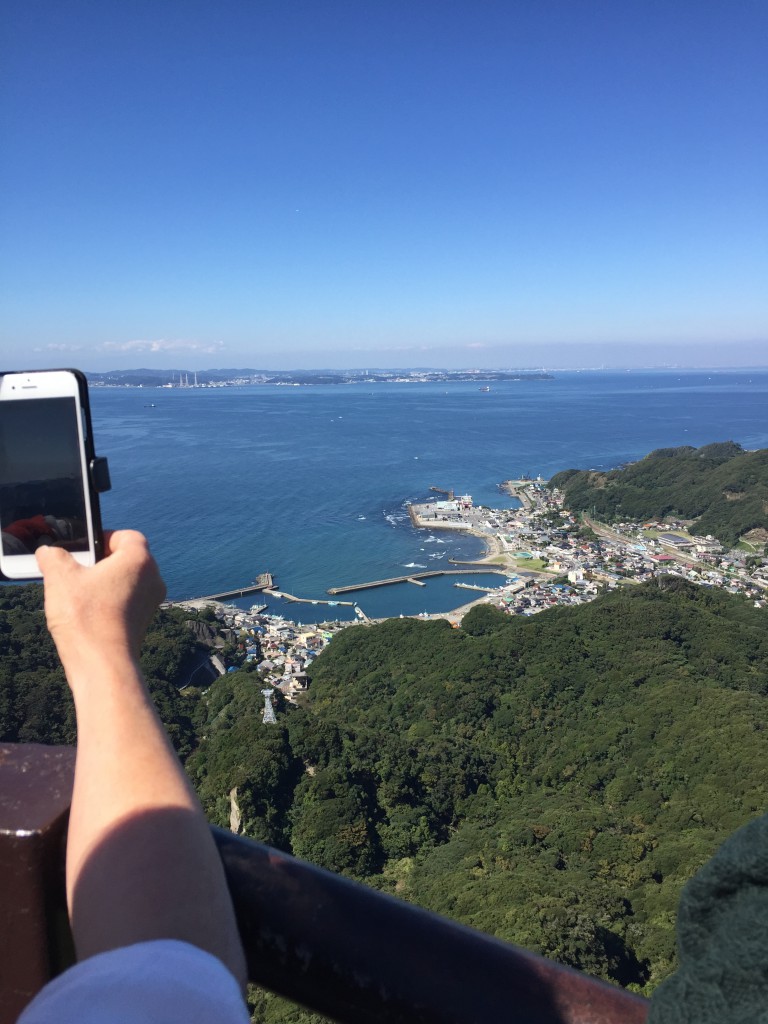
(35, 703)
(553, 780)
(721, 487)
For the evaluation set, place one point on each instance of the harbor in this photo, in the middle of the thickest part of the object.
(449, 511)
(540, 549)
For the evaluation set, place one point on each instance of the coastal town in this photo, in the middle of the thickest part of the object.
(545, 556)
(553, 557)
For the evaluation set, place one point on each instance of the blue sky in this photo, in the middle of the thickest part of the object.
(352, 183)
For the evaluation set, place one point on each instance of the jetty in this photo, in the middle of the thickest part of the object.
(413, 577)
(263, 581)
(522, 490)
(308, 600)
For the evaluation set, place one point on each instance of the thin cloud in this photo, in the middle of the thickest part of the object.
(160, 345)
(396, 348)
(137, 345)
(60, 347)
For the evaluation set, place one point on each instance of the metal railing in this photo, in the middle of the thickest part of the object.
(336, 947)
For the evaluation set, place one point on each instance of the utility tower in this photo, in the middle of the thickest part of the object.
(268, 718)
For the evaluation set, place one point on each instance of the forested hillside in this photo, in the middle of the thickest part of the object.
(720, 486)
(553, 780)
(35, 704)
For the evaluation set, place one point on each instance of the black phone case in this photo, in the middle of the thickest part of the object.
(96, 478)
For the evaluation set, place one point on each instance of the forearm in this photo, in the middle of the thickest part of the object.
(141, 862)
(125, 763)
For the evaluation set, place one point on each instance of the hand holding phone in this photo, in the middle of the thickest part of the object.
(101, 613)
(49, 474)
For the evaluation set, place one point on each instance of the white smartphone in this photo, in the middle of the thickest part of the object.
(48, 487)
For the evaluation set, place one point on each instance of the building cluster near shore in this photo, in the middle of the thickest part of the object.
(281, 650)
(554, 557)
(547, 555)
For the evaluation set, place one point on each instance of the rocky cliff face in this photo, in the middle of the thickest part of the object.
(204, 633)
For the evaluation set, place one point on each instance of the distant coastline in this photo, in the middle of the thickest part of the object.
(189, 379)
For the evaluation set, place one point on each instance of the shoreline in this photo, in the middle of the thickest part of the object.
(519, 489)
(493, 546)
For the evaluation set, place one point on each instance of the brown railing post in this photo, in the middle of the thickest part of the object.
(35, 944)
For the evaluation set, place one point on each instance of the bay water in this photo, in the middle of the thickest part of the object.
(311, 483)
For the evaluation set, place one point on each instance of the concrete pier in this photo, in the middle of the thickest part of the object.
(520, 489)
(262, 582)
(440, 490)
(383, 583)
(309, 600)
(414, 578)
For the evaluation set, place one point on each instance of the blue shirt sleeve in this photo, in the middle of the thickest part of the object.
(162, 982)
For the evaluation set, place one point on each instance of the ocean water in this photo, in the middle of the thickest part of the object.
(310, 483)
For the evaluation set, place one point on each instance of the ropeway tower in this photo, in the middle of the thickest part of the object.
(268, 718)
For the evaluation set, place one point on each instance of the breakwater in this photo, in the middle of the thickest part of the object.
(308, 600)
(414, 577)
(262, 582)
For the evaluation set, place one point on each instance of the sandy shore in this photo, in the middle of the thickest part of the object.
(457, 614)
(493, 544)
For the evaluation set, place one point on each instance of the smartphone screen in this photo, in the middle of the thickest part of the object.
(42, 493)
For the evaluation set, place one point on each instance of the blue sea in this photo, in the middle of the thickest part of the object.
(310, 483)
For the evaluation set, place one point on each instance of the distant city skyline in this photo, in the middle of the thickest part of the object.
(445, 184)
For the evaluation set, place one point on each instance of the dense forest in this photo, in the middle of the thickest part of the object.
(35, 704)
(721, 487)
(553, 780)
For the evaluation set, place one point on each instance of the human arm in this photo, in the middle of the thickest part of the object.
(141, 862)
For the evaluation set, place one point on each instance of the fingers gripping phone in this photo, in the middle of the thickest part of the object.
(50, 477)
